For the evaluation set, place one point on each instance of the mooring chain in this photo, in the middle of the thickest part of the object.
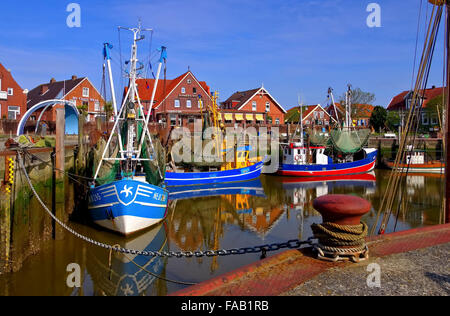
(292, 244)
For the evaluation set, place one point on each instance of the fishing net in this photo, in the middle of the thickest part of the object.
(318, 138)
(109, 168)
(349, 141)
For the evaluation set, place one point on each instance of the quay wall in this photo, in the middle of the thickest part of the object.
(24, 224)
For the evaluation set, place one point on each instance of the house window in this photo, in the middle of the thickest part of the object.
(254, 106)
(13, 112)
(10, 91)
(183, 90)
(322, 115)
(97, 106)
(277, 121)
(177, 103)
(434, 120)
(194, 90)
(173, 120)
(189, 81)
(267, 106)
(188, 104)
(425, 119)
(85, 92)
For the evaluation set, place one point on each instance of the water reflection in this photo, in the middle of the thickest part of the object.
(270, 210)
(116, 274)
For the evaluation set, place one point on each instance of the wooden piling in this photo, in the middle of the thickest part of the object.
(60, 157)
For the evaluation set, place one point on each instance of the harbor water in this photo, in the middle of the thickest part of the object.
(270, 210)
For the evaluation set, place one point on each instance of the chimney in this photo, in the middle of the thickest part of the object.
(44, 89)
(74, 77)
(53, 80)
(433, 87)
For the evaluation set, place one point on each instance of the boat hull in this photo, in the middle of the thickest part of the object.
(201, 178)
(356, 167)
(435, 167)
(127, 206)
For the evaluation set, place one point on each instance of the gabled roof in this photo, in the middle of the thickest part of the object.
(399, 101)
(3, 70)
(293, 114)
(164, 89)
(243, 97)
(56, 90)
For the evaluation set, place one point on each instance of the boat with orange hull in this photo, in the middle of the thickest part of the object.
(428, 167)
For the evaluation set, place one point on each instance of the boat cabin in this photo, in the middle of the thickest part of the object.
(298, 154)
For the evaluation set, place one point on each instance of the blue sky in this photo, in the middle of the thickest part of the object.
(289, 46)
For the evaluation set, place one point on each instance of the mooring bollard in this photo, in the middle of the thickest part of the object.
(342, 234)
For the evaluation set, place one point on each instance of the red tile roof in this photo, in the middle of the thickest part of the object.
(164, 88)
(398, 102)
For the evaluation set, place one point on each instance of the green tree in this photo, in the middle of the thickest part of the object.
(392, 120)
(378, 118)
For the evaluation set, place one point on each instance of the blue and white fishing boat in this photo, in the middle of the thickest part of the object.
(118, 199)
(253, 171)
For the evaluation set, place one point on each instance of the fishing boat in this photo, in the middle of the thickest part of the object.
(119, 200)
(417, 162)
(241, 168)
(346, 155)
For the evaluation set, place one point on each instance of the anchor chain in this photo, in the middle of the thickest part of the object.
(291, 244)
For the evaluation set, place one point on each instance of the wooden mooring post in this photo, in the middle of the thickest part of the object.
(58, 199)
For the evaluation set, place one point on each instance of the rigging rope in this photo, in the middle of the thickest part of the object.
(412, 121)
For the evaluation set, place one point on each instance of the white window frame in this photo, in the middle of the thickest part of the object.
(267, 106)
(254, 106)
(425, 119)
(176, 103)
(10, 91)
(188, 104)
(16, 111)
(183, 90)
(277, 121)
(97, 106)
(85, 95)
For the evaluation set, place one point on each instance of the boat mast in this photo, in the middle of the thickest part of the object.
(330, 94)
(447, 116)
(301, 122)
(348, 107)
(107, 56)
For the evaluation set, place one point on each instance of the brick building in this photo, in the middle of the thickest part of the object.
(177, 101)
(314, 117)
(401, 104)
(252, 106)
(13, 98)
(79, 90)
